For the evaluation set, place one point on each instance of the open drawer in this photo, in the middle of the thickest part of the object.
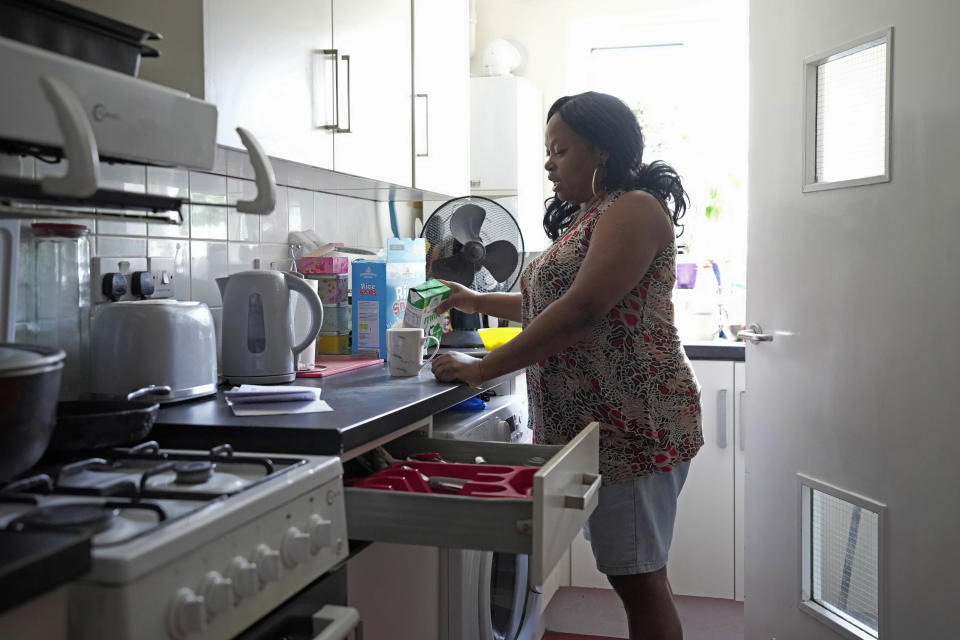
(541, 526)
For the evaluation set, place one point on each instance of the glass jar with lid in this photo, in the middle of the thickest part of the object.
(53, 297)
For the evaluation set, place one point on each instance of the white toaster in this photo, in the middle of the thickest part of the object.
(154, 342)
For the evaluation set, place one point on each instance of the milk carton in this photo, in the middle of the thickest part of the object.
(422, 302)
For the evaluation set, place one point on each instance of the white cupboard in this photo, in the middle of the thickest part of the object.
(706, 556)
(265, 68)
(506, 149)
(441, 107)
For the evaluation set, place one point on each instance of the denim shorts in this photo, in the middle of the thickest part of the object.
(631, 528)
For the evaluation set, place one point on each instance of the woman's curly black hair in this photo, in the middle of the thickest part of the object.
(608, 124)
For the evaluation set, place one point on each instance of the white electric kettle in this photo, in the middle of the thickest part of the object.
(257, 339)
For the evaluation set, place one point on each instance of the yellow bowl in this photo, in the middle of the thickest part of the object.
(497, 336)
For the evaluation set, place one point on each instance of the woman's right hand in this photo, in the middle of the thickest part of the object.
(462, 298)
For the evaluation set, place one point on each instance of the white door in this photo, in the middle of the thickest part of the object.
(373, 40)
(859, 288)
(441, 77)
(266, 72)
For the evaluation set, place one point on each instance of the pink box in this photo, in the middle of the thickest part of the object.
(324, 264)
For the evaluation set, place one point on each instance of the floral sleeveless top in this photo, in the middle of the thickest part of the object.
(631, 375)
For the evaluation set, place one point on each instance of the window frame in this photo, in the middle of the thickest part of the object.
(809, 125)
(805, 602)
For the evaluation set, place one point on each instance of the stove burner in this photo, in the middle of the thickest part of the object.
(88, 517)
(193, 472)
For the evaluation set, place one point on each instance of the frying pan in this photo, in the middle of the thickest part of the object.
(95, 424)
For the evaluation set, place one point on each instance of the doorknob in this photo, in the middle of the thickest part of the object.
(754, 333)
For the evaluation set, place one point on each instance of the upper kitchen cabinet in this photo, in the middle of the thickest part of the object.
(269, 67)
(441, 79)
(373, 87)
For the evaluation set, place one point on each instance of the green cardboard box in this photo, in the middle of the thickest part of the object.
(422, 301)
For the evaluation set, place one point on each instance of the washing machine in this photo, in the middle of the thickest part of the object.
(486, 595)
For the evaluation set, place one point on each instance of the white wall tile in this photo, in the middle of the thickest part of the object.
(208, 261)
(121, 247)
(301, 209)
(208, 222)
(179, 250)
(301, 176)
(352, 214)
(238, 165)
(325, 216)
(280, 169)
(242, 226)
(123, 177)
(273, 227)
(171, 183)
(241, 256)
(220, 161)
(275, 256)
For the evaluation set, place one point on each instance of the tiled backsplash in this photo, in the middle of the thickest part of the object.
(217, 241)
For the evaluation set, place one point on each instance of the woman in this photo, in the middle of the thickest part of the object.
(599, 342)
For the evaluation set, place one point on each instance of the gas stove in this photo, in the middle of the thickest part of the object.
(186, 544)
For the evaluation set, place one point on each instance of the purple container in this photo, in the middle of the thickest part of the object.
(686, 275)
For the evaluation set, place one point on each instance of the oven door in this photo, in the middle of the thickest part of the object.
(316, 613)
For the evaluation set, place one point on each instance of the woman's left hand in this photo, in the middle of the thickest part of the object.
(455, 366)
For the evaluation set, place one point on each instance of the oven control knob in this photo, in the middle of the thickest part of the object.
(321, 533)
(245, 576)
(296, 547)
(217, 593)
(187, 614)
(268, 563)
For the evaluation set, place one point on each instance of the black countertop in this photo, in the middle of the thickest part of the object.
(33, 562)
(367, 404)
(716, 350)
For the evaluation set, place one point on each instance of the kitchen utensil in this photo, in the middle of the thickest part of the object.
(154, 342)
(258, 343)
(95, 424)
(405, 350)
(495, 337)
(69, 30)
(53, 297)
(29, 384)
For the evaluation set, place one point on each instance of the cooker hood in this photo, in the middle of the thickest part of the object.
(57, 106)
(132, 120)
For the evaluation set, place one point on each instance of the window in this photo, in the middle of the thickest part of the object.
(841, 559)
(847, 115)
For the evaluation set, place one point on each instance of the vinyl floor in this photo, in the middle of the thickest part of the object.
(577, 613)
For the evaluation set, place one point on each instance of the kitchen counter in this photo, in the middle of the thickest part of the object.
(34, 562)
(367, 405)
(716, 350)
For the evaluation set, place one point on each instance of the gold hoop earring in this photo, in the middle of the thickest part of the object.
(593, 181)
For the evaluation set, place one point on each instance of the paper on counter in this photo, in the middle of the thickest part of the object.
(252, 393)
(279, 408)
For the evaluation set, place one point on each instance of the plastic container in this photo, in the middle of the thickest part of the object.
(336, 318)
(496, 337)
(324, 264)
(477, 480)
(53, 297)
(333, 288)
(333, 343)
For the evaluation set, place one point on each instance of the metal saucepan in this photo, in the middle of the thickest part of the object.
(29, 385)
(95, 424)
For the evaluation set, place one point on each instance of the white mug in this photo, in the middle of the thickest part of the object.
(405, 350)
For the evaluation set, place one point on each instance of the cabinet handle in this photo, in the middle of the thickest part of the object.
(322, 122)
(474, 183)
(722, 418)
(740, 420)
(426, 124)
(346, 129)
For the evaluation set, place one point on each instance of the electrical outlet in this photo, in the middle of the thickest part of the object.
(164, 274)
(101, 266)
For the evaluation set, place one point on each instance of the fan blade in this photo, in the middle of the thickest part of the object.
(465, 223)
(455, 267)
(501, 259)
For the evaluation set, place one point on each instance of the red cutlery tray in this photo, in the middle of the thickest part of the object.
(483, 480)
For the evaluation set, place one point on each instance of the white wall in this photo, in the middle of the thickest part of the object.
(871, 405)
